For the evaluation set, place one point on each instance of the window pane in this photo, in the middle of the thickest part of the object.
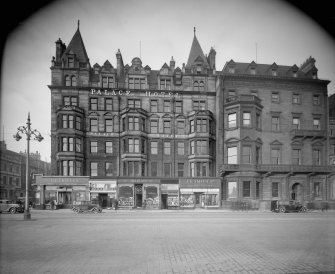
(232, 189)
(232, 120)
(232, 155)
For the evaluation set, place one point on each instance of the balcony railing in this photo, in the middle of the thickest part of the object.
(278, 169)
(306, 133)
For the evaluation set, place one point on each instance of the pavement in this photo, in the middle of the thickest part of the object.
(162, 241)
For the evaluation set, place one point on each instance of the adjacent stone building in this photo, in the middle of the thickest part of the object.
(13, 172)
(185, 137)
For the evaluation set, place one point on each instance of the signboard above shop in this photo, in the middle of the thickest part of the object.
(99, 186)
(200, 183)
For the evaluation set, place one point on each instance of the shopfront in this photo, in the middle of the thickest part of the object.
(169, 193)
(200, 193)
(103, 192)
(62, 190)
(138, 193)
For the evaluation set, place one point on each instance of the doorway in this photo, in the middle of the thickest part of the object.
(138, 195)
(164, 201)
(198, 199)
(103, 200)
(297, 192)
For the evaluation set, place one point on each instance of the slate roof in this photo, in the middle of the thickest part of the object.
(195, 52)
(77, 47)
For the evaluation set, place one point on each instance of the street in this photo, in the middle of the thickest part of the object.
(138, 241)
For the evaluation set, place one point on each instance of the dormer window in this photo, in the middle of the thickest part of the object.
(295, 74)
(231, 70)
(274, 72)
(136, 83)
(198, 69)
(165, 84)
(253, 71)
(107, 82)
(70, 61)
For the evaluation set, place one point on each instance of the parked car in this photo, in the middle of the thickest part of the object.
(292, 206)
(86, 207)
(10, 206)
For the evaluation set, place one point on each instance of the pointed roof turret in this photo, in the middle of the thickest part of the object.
(195, 53)
(77, 47)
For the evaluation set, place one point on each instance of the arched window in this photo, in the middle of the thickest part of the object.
(67, 81)
(196, 86)
(201, 86)
(73, 81)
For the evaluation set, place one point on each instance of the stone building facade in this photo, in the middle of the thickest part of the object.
(184, 137)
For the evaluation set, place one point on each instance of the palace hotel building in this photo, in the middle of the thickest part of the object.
(185, 137)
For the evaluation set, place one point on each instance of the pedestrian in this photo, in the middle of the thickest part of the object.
(116, 204)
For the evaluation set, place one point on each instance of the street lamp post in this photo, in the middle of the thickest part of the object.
(37, 136)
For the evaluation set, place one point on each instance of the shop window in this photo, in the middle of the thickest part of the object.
(94, 125)
(153, 106)
(232, 120)
(108, 104)
(154, 126)
(181, 148)
(232, 155)
(94, 147)
(232, 189)
(275, 156)
(109, 147)
(180, 127)
(94, 169)
(154, 147)
(275, 189)
(180, 170)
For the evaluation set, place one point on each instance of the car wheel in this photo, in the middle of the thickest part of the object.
(12, 210)
(95, 210)
(282, 209)
(303, 209)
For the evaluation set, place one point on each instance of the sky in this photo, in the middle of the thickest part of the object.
(264, 31)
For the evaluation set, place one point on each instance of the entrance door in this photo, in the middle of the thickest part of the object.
(297, 192)
(197, 199)
(164, 201)
(138, 195)
(103, 200)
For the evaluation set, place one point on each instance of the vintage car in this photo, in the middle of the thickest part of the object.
(9, 206)
(291, 206)
(86, 207)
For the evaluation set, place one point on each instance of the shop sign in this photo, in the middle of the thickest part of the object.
(169, 187)
(103, 186)
(138, 181)
(201, 190)
(200, 183)
(79, 188)
(61, 180)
